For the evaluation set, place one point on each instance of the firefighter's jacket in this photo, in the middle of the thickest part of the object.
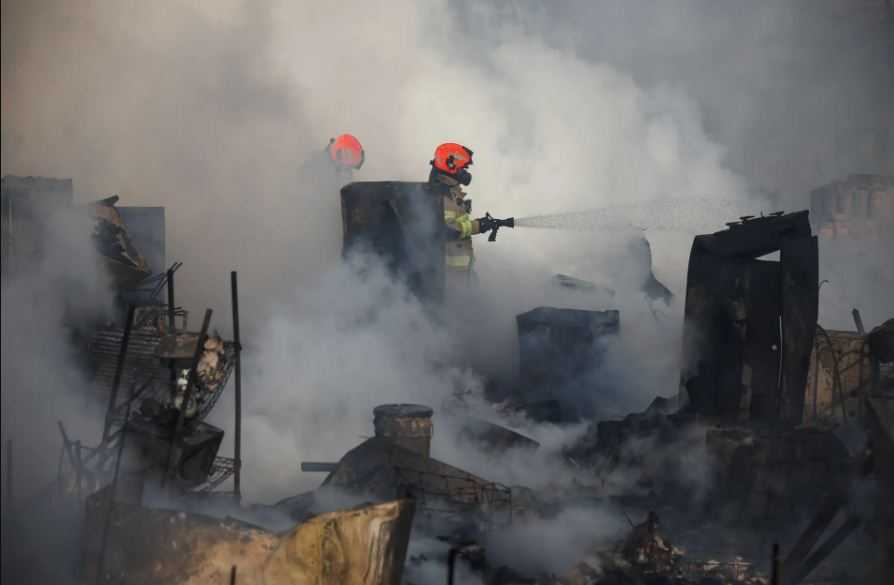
(458, 252)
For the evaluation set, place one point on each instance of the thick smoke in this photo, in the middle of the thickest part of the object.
(210, 108)
(47, 297)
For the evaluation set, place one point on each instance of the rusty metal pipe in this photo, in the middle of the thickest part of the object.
(318, 466)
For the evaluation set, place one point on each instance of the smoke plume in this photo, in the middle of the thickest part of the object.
(210, 108)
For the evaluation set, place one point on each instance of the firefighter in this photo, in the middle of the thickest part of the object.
(319, 182)
(346, 155)
(334, 166)
(449, 174)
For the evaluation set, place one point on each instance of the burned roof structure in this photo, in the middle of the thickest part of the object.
(396, 463)
(750, 321)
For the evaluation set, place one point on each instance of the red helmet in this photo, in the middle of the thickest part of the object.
(451, 158)
(346, 151)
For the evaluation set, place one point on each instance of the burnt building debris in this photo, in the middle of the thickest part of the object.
(112, 240)
(653, 288)
(764, 480)
(167, 374)
(857, 207)
(28, 204)
(357, 546)
(606, 440)
(880, 466)
(33, 207)
(750, 444)
(490, 437)
(401, 223)
(640, 254)
(839, 377)
(847, 368)
(749, 322)
(407, 425)
(560, 351)
(396, 463)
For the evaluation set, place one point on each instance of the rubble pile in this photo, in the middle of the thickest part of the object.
(750, 442)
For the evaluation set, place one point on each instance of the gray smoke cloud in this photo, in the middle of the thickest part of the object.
(48, 298)
(210, 108)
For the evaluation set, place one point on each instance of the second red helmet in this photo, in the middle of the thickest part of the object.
(346, 151)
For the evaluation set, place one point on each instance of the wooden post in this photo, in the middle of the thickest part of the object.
(237, 435)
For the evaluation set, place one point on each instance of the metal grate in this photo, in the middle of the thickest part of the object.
(462, 494)
(221, 470)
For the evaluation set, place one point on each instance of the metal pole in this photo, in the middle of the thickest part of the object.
(119, 369)
(8, 515)
(237, 435)
(187, 394)
(170, 286)
(451, 563)
(78, 470)
(114, 485)
(172, 327)
(66, 444)
(774, 565)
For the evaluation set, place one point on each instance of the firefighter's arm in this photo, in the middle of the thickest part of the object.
(460, 226)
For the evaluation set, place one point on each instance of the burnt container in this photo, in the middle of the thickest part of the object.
(408, 425)
(556, 345)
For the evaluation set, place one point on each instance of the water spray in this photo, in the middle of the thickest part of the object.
(656, 215)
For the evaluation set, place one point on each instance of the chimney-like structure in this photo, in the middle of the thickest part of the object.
(408, 425)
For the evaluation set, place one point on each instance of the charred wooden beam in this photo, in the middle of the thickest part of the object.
(828, 547)
(858, 322)
(805, 543)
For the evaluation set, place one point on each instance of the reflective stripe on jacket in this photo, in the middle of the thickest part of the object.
(458, 251)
